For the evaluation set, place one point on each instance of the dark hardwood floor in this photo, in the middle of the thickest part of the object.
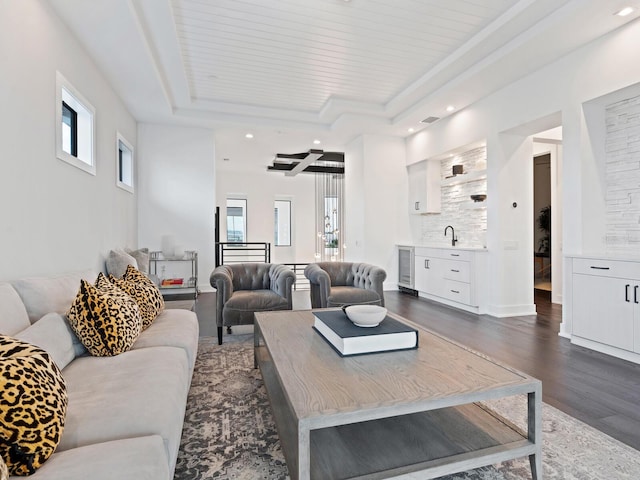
(598, 389)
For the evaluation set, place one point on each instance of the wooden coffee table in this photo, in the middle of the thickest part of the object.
(389, 415)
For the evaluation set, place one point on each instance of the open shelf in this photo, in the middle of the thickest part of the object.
(472, 176)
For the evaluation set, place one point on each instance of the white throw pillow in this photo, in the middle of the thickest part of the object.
(142, 257)
(54, 335)
(118, 261)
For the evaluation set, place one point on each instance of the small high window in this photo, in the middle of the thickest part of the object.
(282, 223)
(75, 127)
(236, 220)
(69, 130)
(124, 163)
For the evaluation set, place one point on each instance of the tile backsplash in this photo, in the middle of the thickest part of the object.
(469, 218)
(623, 175)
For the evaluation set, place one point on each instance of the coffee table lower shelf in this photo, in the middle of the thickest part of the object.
(434, 443)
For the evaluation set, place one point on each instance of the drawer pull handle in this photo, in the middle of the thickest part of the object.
(635, 294)
(455, 291)
(600, 268)
(455, 254)
(626, 292)
(455, 271)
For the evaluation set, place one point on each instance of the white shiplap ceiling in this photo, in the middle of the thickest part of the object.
(327, 69)
(299, 54)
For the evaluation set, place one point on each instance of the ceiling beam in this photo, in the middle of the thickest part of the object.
(313, 161)
(282, 167)
(304, 163)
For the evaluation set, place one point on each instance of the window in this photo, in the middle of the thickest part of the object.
(282, 223)
(124, 164)
(75, 129)
(69, 130)
(236, 219)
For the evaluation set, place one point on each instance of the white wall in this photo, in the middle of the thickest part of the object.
(376, 187)
(176, 191)
(261, 188)
(604, 66)
(55, 217)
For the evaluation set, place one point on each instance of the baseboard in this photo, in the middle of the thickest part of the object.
(606, 349)
(502, 311)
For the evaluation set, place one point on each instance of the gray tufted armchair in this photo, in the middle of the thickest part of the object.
(245, 288)
(335, 284)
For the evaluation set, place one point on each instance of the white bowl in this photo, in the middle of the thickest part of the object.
(366, 315)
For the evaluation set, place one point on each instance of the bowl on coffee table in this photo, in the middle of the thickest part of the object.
(365, 315)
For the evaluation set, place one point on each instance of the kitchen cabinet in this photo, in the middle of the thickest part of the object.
(424, 187)
(429, 274)
(606, 305)
(450, 275)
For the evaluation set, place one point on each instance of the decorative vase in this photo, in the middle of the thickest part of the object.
(168, 245)
(178, 252)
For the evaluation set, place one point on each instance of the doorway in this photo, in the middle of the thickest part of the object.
(542, 222)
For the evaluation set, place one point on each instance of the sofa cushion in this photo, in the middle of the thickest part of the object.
(145, 293)
(140, 458)
(255, 301)
(172, 328)
(156, 382)
(54, 335)
(341, 296)
(4, 471)
(118, 261)
(105, 319)
(13, 315)
(42, 295)
(33, 403)
(239, 309)
(142, 258)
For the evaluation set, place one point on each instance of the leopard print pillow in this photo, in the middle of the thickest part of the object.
(33, 405)
(144, 295)
(135, 276)
(106, 320)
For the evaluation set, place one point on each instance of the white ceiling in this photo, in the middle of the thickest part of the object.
(297, 70)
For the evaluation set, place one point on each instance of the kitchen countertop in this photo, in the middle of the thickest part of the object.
(445, 247)
(620, 256)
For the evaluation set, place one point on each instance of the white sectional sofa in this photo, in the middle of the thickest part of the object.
(125, 413)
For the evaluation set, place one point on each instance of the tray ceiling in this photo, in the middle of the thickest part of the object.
(337, 67)
(299, 54)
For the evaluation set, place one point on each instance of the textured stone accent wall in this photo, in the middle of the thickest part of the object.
(458, 210)
(622, 169)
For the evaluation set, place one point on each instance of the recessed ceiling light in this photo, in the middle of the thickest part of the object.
(624, 12)
(316, 142)
(450, 108)
(411, 130)
(249, 135)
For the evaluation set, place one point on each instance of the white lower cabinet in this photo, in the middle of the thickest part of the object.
(604, 310)
(447, 275)
(605, 306)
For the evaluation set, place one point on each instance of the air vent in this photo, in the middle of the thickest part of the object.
(430, 120)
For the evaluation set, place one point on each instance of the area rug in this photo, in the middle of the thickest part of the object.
(229, 432)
